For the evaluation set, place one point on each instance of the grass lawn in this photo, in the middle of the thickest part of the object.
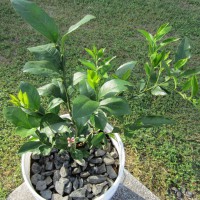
(159, 158)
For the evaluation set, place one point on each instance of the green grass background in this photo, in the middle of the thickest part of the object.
(159, 158)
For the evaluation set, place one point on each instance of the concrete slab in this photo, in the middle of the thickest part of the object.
(130, 189)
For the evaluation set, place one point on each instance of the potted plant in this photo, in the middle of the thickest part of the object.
(78, 155)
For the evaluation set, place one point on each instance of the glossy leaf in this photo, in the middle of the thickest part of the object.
(158, 91)
(90, 52)
(113, 87)
(78, 77)
(37, 18)
(183, 50)
(115, 106)
(46, 52)
(123, 69)
(48, 90)
(150, 121)
(83, 106)
(54, 103)
(86, 90)
(32, 95)
(29, 146)
(41, 68)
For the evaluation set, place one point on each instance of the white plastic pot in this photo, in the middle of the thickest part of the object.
(26, 161)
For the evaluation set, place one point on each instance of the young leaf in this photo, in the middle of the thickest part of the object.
(147, 69)
(29, 146)
(183, 50)
(158, 91)
(121, 71)
(150, 121)
(180, 63)
(91, 53)
(162, 31)
(83, 106)
(85, 19)
(37, 18)
(147, 35)
(195, 87)
(32, 95)
(187, 85)
(113, 87)
(92, 78)
(115, 106)
(88, 64)
(168, 41)
(42, 67)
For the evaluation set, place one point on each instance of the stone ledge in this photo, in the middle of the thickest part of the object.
(130, 189)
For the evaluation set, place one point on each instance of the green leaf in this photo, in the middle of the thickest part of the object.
(113, 87)
(86, 90)
(93, 78)
(97, 139)
(123, 69)
(190, 72)
(88, 64)
(91, 53)
(187, 85)
(83, 106)
(78, 77)
(85, 19)
(76, 154)
(150, 121)
(37, 18)
(195, 87)
(45, 150)
(46, 52)
(24, 132)
(16, 116)
(168, 41)
(48, 90)
(142, 84)
(180, 63)
(50, 118)
(32, 95)
(162, 31)
(158, 91)
(54, 103)
(100, 120)
(29, 146)
(147, 69)
(42, 67)
(183, 50)
(115, 106)
(147, 35)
